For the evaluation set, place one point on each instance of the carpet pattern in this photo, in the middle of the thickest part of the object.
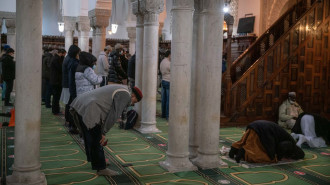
(136, 157)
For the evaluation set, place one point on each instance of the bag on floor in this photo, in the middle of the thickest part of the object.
(132, 117)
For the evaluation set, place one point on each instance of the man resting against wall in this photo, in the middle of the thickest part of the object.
(265, 142)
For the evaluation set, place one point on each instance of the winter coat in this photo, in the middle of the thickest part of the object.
(103, 64)
(46, 65)
(8, 67)
(85, 81)
(56, 70)
(165, 69)
(131, 67)
(72, 66)
(116, 72)
(285, 111)
(65, 72)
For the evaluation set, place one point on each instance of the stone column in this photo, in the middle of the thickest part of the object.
(196, 108)
(208, 150)
(132, 39)
(83, 33)
(139, 55)
(99, 20)
(69, 27)
(0, 30)
(151, 9)
(11, 33)
(166, 31)
(26, 167)
(181, 56)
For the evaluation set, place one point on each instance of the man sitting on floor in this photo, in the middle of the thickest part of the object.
(312, 129)
(289, 111)
(265, 142)
(97, 111)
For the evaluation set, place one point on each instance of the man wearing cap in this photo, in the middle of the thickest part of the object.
(96, 112)
(8, 73)
(103, 65)
(289, 111)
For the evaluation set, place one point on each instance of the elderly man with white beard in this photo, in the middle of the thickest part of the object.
(289, 111)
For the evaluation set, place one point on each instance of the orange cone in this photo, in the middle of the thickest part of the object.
(12, 118)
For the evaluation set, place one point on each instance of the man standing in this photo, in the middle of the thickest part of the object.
(165, 69)
(56, 79)
(117, 75)
(8, 73)
(103, 65)
(46, 63)
(97, 111)
(289, 111)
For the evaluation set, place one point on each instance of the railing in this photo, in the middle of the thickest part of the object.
(258, 89)
(267, 40)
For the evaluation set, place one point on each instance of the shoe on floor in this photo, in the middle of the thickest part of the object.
(107, 172)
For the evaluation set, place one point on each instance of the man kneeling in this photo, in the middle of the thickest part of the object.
(265, 142)
(97, 111)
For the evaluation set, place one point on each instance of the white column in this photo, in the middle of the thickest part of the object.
(196, 108)
(208, 150)
(151, 10)
(132, 39)
(11, 33)
(181, 56)
(83, 33)
(139, 56)
(26, 167)
(69, 27)
(99, 20)
(166, 31)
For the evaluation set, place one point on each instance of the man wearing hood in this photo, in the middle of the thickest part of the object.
(96, 112)
(289, 112)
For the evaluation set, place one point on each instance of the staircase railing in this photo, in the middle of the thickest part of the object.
(267, 39)
(248, 93)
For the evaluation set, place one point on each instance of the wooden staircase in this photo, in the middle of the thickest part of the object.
(292, 55)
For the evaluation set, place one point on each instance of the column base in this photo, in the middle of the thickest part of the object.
(193, 152)
(208, 161)
(147, 128)
(26, 178)
(174, 164)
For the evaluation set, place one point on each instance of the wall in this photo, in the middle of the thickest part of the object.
(247, 7)
(50, 17)
(8, 5)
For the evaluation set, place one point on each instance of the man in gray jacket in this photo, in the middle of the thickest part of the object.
(97, 111)
(103, 65)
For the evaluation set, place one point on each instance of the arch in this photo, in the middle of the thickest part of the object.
(275, 11)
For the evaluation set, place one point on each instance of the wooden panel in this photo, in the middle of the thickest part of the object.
(317, 82)
(294, 74)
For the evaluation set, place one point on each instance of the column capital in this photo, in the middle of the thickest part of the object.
(10, 25)
(99, 17)
(183, 4)
(213, 5)
(131, 32)
(151, 6)
(69, 23)
(83, 23)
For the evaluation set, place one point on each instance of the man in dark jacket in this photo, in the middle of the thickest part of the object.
(131, 71)
(69, 66)
(46, 63)
(116, 72)
(56, 79)
(8, 73)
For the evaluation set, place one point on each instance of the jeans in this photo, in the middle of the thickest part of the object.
(3, 90)
(94, 151)
(165, 99)
(9, 88)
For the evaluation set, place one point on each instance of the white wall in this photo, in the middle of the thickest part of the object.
(50, 17)
(71, 7)
(8, 5)
(247, 7)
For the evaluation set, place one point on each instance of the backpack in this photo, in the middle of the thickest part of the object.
(132, 117)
